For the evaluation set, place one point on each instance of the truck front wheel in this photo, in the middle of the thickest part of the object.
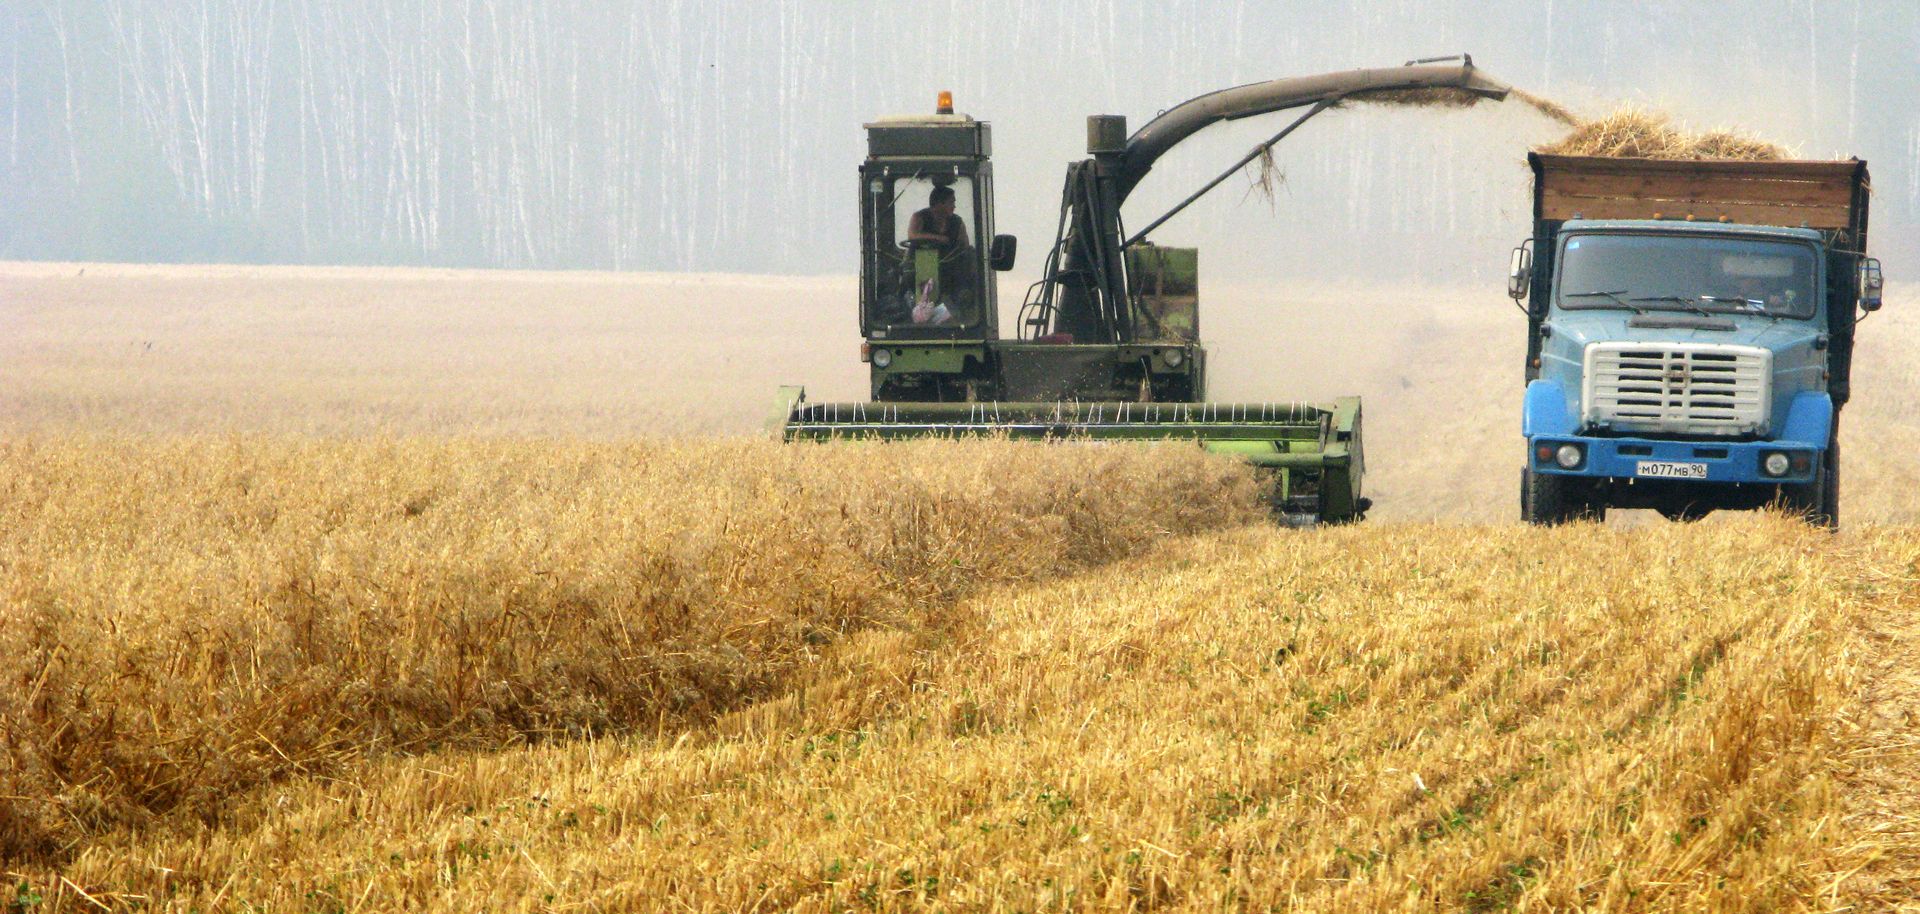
(1547, 499)
(1819, 500)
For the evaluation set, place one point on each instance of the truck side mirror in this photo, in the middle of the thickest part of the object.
(1002, 252)
(1520, 271)
(1871, 283)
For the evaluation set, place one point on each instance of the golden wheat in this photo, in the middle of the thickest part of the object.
(1363, 719)
(361, 674)
(182, 619)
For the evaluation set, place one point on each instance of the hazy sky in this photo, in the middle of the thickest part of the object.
(671, 135)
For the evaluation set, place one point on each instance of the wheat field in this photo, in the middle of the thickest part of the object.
(339, 590)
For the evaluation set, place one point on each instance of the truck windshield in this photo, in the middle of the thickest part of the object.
(1687, 273)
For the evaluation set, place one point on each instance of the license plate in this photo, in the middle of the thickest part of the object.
(1664, 469)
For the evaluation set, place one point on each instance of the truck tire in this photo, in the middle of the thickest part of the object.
(1543, 501)
(1819, 500)
(1526, 490)
(1547, 499)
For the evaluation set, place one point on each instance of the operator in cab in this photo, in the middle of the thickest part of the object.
(940, 229)
(1769, 283)
(937, 225)
(1759, 294)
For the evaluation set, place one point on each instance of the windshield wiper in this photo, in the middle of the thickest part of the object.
(1613, 294)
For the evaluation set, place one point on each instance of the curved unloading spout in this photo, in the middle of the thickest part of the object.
(1184, 120)
(1084, 294)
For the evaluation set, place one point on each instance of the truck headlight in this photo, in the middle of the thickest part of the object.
(1776, 464)
(1568, 456)
(882, 358)
(1174, 357)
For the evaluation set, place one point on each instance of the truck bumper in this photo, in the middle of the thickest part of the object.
(1647, 458)
(1548, 424)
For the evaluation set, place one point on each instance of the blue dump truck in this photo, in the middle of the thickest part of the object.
(1690, 334)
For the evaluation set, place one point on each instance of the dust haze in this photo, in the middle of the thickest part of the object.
(182, 350)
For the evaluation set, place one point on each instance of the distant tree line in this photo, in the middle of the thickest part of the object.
(438, 131)
(722, 134)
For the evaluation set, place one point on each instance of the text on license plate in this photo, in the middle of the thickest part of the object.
(1664, 469)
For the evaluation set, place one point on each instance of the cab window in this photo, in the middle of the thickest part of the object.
(925, 259)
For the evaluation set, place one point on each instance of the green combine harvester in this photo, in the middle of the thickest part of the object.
(1108, 340)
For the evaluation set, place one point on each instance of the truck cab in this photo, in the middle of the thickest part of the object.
(1690, 334)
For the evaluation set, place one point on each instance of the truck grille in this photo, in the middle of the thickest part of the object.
(1678, 388)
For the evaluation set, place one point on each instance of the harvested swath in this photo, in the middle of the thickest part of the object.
(180, 620)
(1636, 133)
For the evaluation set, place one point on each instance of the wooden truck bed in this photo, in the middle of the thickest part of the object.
(1819, 195)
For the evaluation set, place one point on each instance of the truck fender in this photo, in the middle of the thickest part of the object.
(1546, 411)
(1809, 419)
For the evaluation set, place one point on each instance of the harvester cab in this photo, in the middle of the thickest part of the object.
(1108, 340)
(929, 307)
(927, 294)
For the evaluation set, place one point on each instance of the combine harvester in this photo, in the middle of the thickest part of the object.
(1108, 340)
